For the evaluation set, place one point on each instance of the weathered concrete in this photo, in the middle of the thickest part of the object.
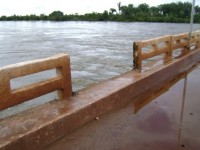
(155, 127)
(62, 82)
(44, 124)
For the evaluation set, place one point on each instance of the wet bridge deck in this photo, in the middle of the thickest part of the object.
(154, 127)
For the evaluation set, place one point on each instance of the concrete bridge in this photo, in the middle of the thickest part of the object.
(109, 102)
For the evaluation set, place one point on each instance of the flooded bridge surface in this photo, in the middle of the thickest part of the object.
(156, 126)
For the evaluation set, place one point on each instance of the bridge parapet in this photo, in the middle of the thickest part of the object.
(60, 83)
(172, 46)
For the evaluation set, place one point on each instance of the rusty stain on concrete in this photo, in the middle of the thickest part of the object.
(158, 121)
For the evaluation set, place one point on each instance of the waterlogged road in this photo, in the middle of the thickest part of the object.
(98, 50)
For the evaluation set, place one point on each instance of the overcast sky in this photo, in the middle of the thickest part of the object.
(23, 7)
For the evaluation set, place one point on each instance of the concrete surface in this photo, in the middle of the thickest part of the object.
(155, 127)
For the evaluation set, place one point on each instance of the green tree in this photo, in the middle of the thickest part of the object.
(128, 12)
(3, 18)
(197, 10)
(119, 7)
(144, 7)
(56, 16)
(43, 17)
(155, 11)
(105, 16)
(112, 11)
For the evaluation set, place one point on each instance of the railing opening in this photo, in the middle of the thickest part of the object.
(50, 97)
(24, 81)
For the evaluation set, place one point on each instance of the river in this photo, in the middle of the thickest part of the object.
(98, 50)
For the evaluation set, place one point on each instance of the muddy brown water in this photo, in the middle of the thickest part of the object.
(98, 50)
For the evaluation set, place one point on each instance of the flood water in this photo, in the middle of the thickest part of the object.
(98, 50)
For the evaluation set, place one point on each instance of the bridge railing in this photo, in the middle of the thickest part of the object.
(144, 50)
(60, 83)
(180, 45)
(171, 46)
(195, 39)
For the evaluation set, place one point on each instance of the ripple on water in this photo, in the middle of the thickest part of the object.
(98, 50)
(77, 74)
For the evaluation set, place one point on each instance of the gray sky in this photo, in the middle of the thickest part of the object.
(23, 7)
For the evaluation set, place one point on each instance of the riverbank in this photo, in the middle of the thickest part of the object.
(125, 13)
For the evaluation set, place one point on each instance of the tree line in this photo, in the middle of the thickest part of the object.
(178, 12)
